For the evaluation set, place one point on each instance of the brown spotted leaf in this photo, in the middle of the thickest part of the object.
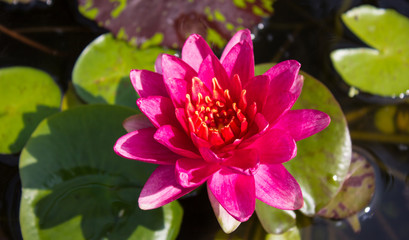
(169, 23)
(356, 191)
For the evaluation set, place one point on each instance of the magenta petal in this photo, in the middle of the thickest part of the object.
(277, 187)
(257, 90)
(256, 130)
(161, 188)
(159, 110)
(140, 145)
(226, 221)
(147, 83)
(235, 192)
(180, 114)
(177, 76)
(177, 141)
(136, 122)
(212, 68)
(209, 156)
(277, 105)
(240, 61)
(243, 161)
(283, 75)
(242, 35)
(195, 51)
(193, 172)
(276, 146)
(303, 123)
(158, 64)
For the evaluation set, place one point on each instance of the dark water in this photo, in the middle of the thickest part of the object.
(305, 30)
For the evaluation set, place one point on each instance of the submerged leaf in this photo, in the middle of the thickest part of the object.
(169, 23)
(384, 68)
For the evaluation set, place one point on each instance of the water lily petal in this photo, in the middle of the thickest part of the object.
(147, 83)
(257, 90)
(276, 146)
(303, 123)
(161, 188)
(226, 221)
(235, 192)
(212, 68)
(158, 64)
(177, 141)
(242, 35)
(256, 130)
(283, 75)
(195, 50)
(209, 156)
(136, 122)
(140, 145)
(240, 61)
(277, 187)
(177, 76)
(159, 110)
(277, 105)
(193, 172)
(244, 161)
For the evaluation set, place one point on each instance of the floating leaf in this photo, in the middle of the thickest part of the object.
(101, 73)
(275, 221)
(76, 187)
(356, 192)
(323, 159)
(169, 23)
(70, 98)
(27, 95)
(384, 68)
(292, 234)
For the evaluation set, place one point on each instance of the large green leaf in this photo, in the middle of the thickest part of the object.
(323, 159)
(273, 220)
(76, 187)
(101, 73)
(27, 95)
(169, 23)
(383, 69)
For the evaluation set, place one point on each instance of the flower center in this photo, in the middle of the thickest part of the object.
(215, 116)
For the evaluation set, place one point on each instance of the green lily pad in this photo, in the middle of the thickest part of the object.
(76, 187)
(383, 69)
(323, 159)
(101, 73)
(28, 96)
(273, 220)
(356, 192)
(169, 23)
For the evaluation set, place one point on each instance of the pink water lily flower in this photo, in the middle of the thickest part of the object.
(212, 121)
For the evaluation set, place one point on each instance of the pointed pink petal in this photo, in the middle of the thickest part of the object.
(226, 221)
(240, 61)
(243, 161)
(159, 110)
(212, 68)
(276, 146)
(147, 83)
(209, 156)
(177, 141)
(195, 50)
(242, 35)
(193, 172)
(257, 90)
(177, 76)
(277, 187)
(158, 64)
(136, 122)
(283, 75)
(181, 117)
(140, 145)
(235, 192)
(256, 130)
(161, 188)
(277, 105)
(303, 123)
